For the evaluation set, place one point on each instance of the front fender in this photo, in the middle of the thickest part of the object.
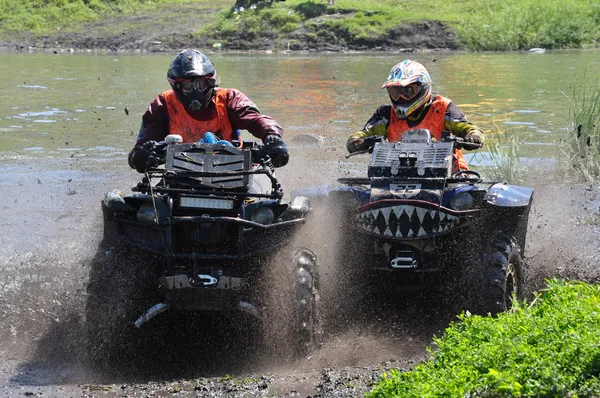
(504, 195)
(326, 192)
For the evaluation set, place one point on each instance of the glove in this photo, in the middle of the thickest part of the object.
(271, 139)
(475, 137)
(276, 149)
(140, 155)
(355, 145)
(149, 145)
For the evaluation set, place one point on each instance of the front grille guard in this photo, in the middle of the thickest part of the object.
(172, 176)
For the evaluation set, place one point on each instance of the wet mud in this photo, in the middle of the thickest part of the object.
(51, 233)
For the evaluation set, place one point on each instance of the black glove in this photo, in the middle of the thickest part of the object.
(140, 154)
(270, 139)
(355, 145)
(475, 138)
(276, 149)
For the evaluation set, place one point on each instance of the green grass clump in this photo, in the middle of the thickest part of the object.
(581, 146)
(550, 348)
(504, 157)
(268, 22)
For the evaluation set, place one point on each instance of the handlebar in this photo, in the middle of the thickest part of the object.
(459, 143)
(369, 143)
(271, 154)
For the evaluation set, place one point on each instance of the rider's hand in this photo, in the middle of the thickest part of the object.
(474, 137)
(148, 145)
(355, 145)
(276, 149)
(140, 156)
(271, 139)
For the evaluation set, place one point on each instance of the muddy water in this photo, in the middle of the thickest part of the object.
(65, 134)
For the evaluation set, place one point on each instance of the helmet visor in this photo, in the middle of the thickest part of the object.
(405, 93)
(201, 84)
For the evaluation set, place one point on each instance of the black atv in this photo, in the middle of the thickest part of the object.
(207, 233)
(420, 223)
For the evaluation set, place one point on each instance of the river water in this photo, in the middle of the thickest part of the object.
(61, 105)
(65, 135)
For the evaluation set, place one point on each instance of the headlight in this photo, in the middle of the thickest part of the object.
(146, 214)
(462, 201)
(263, 215)
(206, 203)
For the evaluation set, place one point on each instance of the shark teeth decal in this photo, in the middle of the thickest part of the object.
(405, 221)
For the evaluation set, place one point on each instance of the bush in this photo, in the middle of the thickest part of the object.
(550, 348)
(310, 9)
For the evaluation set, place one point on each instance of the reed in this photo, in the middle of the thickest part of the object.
(505, 158)
(581, 145)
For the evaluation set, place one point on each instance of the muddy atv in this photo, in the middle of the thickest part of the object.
(207, 233)
(417, 223)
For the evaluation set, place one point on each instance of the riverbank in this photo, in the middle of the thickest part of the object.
(299, 25)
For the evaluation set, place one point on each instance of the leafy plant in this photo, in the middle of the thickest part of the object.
(549, 348)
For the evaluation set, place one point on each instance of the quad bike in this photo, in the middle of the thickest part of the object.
(419, 222)
(207, 233)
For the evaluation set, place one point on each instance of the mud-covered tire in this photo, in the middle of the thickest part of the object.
(291, 327)
(305, 331)
(120, 288)
(501, 277)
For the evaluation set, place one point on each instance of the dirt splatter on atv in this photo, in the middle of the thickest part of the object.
(418, 223)
(207, 234)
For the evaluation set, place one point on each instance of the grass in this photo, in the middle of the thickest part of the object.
(550, 348)
(505, 157)
(46, 16)
(579, 153)
(581, 147)
(479, 24)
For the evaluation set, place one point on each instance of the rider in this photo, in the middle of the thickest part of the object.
(413, 106)
(196, 105)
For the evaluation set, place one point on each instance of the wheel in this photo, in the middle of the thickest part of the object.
(305, 331)
(292, 325)
(502, 275)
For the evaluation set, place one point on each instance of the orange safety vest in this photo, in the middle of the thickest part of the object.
(433, 121)
(192, 130)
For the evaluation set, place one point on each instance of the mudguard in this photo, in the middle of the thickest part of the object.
(503, 195)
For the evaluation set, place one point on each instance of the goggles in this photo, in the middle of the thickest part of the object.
(406, 93)
(197, 84)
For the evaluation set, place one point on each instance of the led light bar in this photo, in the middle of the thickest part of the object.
(206, 203)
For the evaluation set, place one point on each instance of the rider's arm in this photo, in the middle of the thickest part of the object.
(377, 125)
(155, 127)
(155, 122)
(456, 122)
(244, 115)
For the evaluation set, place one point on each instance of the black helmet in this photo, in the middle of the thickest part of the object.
(193, 78)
